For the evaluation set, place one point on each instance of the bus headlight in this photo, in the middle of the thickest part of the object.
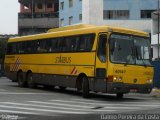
(117, 79)
(149, 81)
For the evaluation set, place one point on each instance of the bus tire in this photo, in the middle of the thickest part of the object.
(85, 87)
(119, 95)
(21, 81)
(30, 81)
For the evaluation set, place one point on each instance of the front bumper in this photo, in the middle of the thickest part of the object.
(126, 88)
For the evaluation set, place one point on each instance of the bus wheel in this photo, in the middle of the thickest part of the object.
(119, 95)
(62, 88)
(21, 82)
(30, 81)
(85, 87)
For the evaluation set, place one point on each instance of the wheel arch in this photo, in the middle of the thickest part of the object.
(79, 80)
(20, 70)
(29, 71)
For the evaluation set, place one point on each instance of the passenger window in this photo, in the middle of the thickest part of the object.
(21, 48)
(61, 44)
(74, 43)
(71, 43)
(29, 47)
(82, 44)
(53, 45)
(102, 47)
(41, 46)
(86, 42)
(67, 44)
(9, 48)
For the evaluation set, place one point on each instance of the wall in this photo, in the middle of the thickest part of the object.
(92, 11)
(135, 6)
(73, 11)
(144, 25)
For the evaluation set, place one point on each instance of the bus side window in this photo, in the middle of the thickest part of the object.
(54, 44)
(89, 41)
(86, 42)
(82, 44)
(61, 44)
(101, 53)
(14, 48)
(70, 43)
(29, 47)
(49, 45)
(74, 43)
(67, 44)
(9, 48)
(42, 46)
(21, 47)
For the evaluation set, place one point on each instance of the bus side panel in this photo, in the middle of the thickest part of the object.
(55, 80)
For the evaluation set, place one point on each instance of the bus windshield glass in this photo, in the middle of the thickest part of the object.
(129, 49)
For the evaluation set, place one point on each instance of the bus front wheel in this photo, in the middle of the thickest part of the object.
(21, 82)
(85, 87)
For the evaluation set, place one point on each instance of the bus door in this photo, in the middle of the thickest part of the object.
(101, 64)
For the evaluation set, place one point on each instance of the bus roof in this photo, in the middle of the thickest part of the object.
(72, 27)
(78, 29)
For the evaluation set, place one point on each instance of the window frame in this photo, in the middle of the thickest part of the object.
(116, 14)
(62, 5)
(70, 3)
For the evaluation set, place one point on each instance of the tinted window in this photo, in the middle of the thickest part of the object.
(71, 43)
(102, 47)
(62, 44)
(21, 47)
(42, 46)
(9, 48)
(86, 42)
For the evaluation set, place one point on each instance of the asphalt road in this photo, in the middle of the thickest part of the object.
(54, 104)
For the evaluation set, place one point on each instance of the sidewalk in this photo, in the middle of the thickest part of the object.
(155, 92)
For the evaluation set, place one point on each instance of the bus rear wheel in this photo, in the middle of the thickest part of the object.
(21, 82)
(30, 81)
(85, 87)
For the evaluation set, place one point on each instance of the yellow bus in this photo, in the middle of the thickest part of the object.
(86, 57)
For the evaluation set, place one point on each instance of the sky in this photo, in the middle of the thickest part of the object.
(9, 16)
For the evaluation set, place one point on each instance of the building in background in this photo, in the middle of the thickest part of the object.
(154, 35)
(70, 12)
(46, 14)
(134, 14)
(37, 16)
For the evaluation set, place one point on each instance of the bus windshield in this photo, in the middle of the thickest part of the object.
(129, 49)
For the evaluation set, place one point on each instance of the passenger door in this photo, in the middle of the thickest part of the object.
(101, 63)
